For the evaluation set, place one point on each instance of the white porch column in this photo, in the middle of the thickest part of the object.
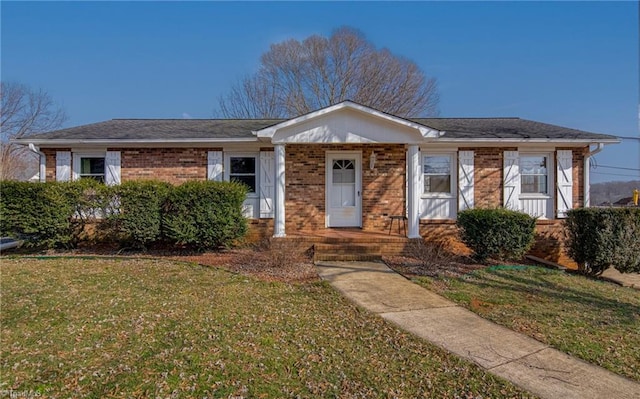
(413, 177)
(279, 191)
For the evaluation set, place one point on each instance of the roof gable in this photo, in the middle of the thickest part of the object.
(347, 122)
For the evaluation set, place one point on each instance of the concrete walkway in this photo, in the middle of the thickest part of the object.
(524, 361)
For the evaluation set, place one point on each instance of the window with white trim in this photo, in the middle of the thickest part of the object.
(534, 174)
(92, 168)
(242, 168)
(89, 165)
(437, 173)
(439, 199)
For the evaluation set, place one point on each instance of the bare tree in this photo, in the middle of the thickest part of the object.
(24, 111)
(298, 77)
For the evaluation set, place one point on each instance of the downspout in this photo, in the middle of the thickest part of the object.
(43, 162)
(587, 184)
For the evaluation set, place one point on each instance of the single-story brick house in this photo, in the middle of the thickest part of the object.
(346, 165)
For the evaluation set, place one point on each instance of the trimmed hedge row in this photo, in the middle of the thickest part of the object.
(598, 238)
(205, 214)
(496, 233)
(198, 215)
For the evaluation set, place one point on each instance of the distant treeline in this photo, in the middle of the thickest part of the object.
(612, 192)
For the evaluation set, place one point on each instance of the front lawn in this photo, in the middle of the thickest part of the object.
(155, 328)
(594, 320)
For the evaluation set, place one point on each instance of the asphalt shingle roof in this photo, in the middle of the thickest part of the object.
(505, 128)
(132, 129)
(455, 128)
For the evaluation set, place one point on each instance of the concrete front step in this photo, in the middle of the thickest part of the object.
(346, 258)
(346, 252)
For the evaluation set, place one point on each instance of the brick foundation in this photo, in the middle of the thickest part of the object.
(548, 245)
(259, 229)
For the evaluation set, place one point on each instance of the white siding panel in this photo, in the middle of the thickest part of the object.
(250, 208)
(438, 208)
(346, 126)
(536, 207)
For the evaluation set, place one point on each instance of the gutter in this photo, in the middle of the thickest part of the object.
(43, 162)
(585, 169)
(116, 142)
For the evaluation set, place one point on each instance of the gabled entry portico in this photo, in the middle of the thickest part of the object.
(320, 177)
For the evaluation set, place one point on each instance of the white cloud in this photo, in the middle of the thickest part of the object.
(186, 116)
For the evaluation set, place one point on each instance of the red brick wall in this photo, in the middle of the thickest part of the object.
(488, 168)
(174, 165)
(383, 189)
(550, 236)
(488, 171)
(578, 176)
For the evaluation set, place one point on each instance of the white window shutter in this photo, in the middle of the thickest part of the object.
(465, 180)
(75, 167)
(63, 165)
(112, 168)
(267, 176)
(564, 176)
(214, 166)
(511, 184)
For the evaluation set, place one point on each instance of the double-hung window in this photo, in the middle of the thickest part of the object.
(439, 185)
(89, 165)
(242, 168)
(536, 189)
(436, 170)
(92, 168)
(534, 174)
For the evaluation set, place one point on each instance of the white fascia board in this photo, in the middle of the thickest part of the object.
(425, 131)
(130, 142)
(497, 142)
(429, 133)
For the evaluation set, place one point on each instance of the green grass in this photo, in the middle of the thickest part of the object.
(149, 328)
(594, 320)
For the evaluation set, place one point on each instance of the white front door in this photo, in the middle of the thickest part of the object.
(343, 191)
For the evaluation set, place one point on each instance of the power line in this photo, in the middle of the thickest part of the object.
(615, 167)
(614, 174)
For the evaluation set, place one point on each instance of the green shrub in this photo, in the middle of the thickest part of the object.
(50, 214)
(141, 203)
(205, 214)
(598, 238)
(37, 213)
(496, 233)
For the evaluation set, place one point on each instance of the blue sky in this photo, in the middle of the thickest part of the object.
(573, 64)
